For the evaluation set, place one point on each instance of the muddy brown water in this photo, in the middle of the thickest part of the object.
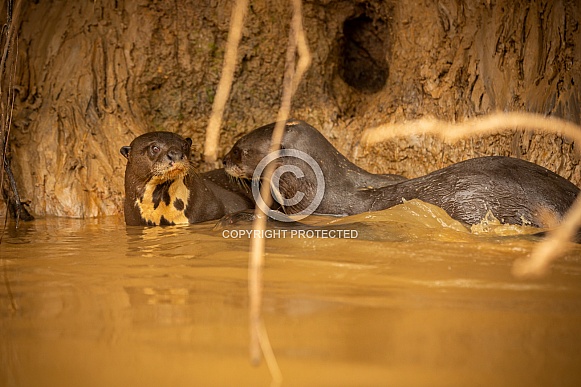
(413, 300)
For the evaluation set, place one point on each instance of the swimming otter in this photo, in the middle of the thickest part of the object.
(250, 149)
(513, 190)
(161, 188)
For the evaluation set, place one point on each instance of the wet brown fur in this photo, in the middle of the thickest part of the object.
(515, 191)
(161, 187)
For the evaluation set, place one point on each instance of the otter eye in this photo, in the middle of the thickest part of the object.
(155, 149)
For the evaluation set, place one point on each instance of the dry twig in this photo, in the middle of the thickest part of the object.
(234, 36)
(292, 77)
(259, 342)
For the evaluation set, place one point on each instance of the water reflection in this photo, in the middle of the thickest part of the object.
(418, 299)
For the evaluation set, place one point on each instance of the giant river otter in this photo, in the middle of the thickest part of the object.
(513, 190)
(161, 188)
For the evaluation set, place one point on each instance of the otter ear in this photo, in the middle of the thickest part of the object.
(125, 151)
(189, 141)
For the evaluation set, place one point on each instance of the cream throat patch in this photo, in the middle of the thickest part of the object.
(164, 202)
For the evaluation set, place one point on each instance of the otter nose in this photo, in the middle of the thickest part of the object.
(175, 155)
(232, 157)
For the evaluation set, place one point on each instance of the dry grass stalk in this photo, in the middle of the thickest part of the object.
(225, 84)
(555, 244)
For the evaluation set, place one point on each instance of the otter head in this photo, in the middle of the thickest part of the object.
(159, 156)
(301, 180)
(155, 189)
(248, 151)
